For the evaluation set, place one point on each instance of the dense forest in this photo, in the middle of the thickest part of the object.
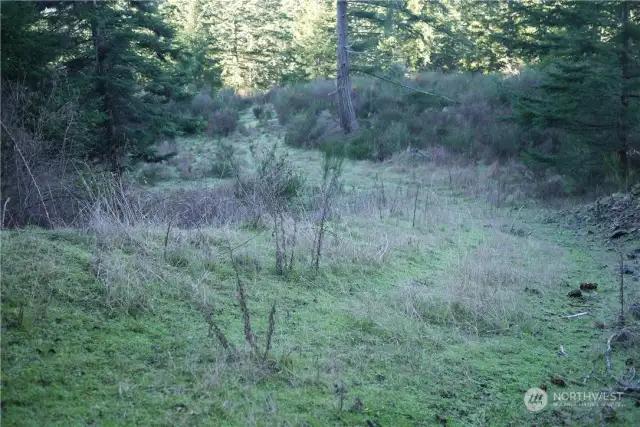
(104, 82)
(213, 209)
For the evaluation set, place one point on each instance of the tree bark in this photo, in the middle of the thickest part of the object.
(102, 50)
(623, 119)
(348, 120)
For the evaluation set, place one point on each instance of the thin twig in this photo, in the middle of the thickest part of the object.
(415, 206)
(166, 238)
(514, 220)
(4, 211)
(293, 243)
(383, 248)
(231, 249)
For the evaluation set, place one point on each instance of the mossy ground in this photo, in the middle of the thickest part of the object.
(451, 320)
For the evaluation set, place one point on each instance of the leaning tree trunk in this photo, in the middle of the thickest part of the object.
(347, 114)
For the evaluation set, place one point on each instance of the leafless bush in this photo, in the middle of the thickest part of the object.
(222, 122)
(332, 169)
(37, 174)
(193, 208)
(271, 190)
(285, 241)
(202, 104)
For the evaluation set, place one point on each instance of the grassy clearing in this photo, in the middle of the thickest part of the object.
(451, 319)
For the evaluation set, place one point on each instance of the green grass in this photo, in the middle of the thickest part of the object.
(453, 319)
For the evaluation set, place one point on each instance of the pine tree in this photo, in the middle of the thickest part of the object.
(391, 34)
(314, 38)
(591, 86)
(28, 46)
(121, 61)
(254, 37)
(198, 65)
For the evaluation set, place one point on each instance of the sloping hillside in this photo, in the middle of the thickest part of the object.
(431, 305)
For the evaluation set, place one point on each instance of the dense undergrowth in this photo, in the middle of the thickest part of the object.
(472, 116)
(449, 119)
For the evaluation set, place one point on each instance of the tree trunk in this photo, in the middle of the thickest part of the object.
(115, 150)
(623, 119)
(348, 120)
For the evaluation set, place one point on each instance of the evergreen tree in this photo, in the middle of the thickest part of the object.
(314, 38)
(391, 34)
(28, 45)
(198, 65)
(490, 27)
(254, 38)
(121, 62)
(590, 88)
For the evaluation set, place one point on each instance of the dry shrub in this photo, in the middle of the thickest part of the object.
(185, 163)
(221, 112)
(202, 104)
(223, 122)
(309, 98)
(128, 206)
(310, 130)
(507, 183)
(473, 125)
(193, 208)
(551, 187)
(153, 173)
(37, 175)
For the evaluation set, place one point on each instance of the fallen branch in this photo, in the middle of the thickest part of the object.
(571, 316)
(623, 385)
